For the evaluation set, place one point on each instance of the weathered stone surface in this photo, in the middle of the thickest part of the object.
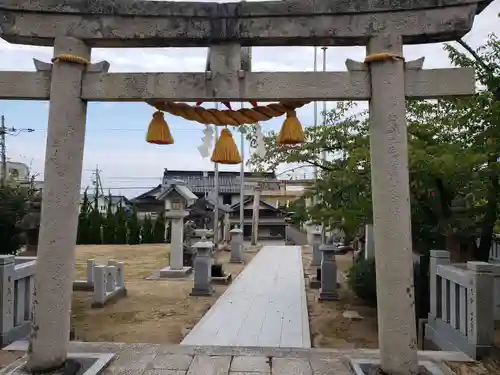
(432, 83)
(172, 361)
(322, 366)
(157, 24)
(251, 364)
(50, 318)
(391, 211)
(209, 365)
(291, 366)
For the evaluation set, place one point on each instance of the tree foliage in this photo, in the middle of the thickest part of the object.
(453, 163)
(13, 207)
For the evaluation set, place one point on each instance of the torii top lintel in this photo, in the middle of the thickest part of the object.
(131, 23)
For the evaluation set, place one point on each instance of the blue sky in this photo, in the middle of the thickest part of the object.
(116, 131)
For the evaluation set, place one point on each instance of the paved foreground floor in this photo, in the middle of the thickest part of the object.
(153, 359)
(265, 305)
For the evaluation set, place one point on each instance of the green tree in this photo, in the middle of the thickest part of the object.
(83, 236)
(109, 224)
(147, 230)
(96, 222)
(121, 225)
(13, 207)
(453, 164)
(159, 229)
(134, 228)
(296, 212)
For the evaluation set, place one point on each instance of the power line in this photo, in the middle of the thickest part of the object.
(3, 146)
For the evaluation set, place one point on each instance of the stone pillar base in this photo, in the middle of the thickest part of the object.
(205, 292)
(169, 273)
(328, 296)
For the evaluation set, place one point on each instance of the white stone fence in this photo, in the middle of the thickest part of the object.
(495, 249)
(17, 281)
(462, 305)
(107, 282)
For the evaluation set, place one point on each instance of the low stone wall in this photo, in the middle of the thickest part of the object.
(461, 316)
(107, 282)
(17, 281)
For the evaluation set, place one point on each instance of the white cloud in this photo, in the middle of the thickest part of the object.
(149, 162)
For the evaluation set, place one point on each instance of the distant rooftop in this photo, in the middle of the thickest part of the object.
(172, 172)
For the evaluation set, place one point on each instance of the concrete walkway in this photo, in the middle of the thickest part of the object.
(265, 305)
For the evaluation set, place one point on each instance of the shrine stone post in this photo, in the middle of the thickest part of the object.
(391, 209)
(55, 267)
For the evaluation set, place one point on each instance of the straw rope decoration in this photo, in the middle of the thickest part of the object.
(226, 151)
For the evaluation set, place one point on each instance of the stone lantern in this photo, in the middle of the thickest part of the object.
(177, 199)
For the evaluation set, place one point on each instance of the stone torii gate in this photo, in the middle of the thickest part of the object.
(74, 27)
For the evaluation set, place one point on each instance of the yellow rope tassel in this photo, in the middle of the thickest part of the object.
(291, 132)
(158, 131)
(225, 151)
(383, 56)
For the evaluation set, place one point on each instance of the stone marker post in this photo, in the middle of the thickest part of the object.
(236, 246)
(55, 265)
(203, 268)
(437, 257)
(176, 269)
(391, 209)
(316, 236)
(369, 242)
(328, 291)
(7, 269)
(481, 324)
(255, 215)
(177, 239)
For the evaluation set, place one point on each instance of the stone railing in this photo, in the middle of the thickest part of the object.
(17, 281)
(461, 316)
(107, 282)
(293, 236)
(495, 249)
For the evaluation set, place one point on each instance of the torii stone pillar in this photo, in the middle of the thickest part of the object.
(55, 267)
(391, 209)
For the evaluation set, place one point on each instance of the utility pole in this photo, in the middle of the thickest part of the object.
(3, 146)
(3, 151)
(216, 183)
(242, 178)
(315, 104)
(97, 183)
(324, 156)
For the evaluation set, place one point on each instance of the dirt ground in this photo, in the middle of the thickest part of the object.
(154, 311)
(329, 329)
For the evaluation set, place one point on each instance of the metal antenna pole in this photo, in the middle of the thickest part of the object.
(3, 151)
(324, 102)
(315, 102)
(216, 179)
(242, 177)
(324, 153)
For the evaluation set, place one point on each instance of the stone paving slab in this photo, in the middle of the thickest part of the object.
(156, 359)
(265, 305)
